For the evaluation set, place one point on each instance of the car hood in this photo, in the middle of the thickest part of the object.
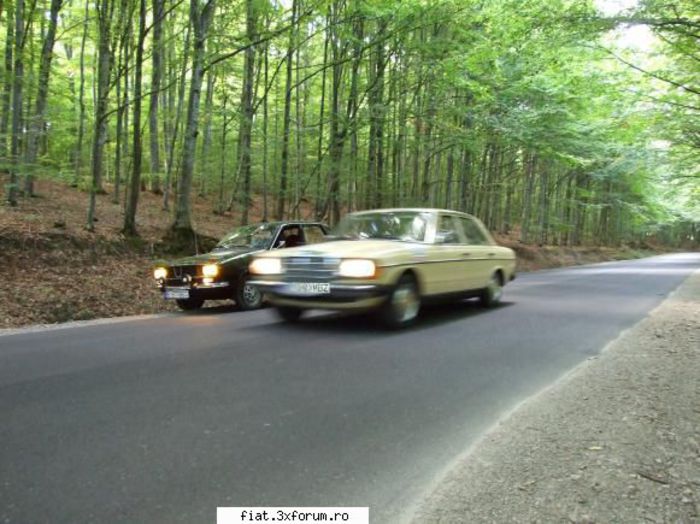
(219, 256)
(372, 249)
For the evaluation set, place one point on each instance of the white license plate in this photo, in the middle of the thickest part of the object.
(309, 288)
(178, 293)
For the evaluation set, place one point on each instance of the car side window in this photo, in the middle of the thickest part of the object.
(448, 231)
(313, 234)
(473, 232)
(291, 235)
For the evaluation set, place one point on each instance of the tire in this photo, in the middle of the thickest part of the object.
(189, 304)
(402, 307)
(247, 297)
(289, 314)
(491, 294)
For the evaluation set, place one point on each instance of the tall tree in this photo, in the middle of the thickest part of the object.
(7, 83)
(105, 12)
(172, 131)
(17, 93)
(156, 74)
(78, 154)
(286, 120)
(37, 122)
(201, 14)
(246, 123)
(135, 179)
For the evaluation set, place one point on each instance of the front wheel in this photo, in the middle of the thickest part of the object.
(248, 296)
(189, 304)
(289, 314)
(403, 304)
(491, 295)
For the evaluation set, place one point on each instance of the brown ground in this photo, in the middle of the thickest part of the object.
(54, 270)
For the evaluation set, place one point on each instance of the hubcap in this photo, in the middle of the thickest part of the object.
(405, 303)
(251, 295)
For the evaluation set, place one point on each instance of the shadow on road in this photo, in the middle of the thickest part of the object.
(219, 308)
(431, 316)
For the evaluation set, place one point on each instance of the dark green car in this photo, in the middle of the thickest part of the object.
(223, 273)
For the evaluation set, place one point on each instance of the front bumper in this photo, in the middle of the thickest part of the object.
(342, 296)
(210, 291)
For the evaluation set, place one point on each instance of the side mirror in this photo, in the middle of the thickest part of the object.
(281, 244)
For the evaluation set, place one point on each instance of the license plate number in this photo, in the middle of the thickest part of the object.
(309, 288)
(177, 293)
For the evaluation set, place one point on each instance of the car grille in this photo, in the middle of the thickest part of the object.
(181, 271)
(310, 269)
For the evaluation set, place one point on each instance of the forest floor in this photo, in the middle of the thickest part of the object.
(56, 271)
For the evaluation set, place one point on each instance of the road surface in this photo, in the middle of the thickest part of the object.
(162, 419)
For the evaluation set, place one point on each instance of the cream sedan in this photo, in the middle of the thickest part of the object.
(390, 260)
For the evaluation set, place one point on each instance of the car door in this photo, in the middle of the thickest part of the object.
(481, 252)
(446, 268)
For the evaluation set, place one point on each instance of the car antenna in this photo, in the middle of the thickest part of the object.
(196, 243)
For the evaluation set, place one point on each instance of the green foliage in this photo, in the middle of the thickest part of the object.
(522, 112)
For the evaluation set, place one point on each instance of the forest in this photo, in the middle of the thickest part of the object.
(533, 115)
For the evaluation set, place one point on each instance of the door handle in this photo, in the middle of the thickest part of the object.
(466, 254)
(492, 254)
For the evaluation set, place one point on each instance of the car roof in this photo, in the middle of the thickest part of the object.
(411, 209)
(278, 223)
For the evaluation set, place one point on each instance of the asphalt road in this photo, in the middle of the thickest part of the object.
(163, 419)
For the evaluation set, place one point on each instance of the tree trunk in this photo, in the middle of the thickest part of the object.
(104, 66)
(200, 18)
(119, 133)
(375, 160)
(156, 73)
(205, 164)
(529, 168)
(222, 167)
(176, 126)
(7, 86)
(37, 123)
(319, 147)
(124, 105)
(264, 137)
(286, 120)
(17, 85)
(135, 181)
(246, 124)
(339, 130)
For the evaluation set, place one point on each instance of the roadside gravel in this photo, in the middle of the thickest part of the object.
(615, 440)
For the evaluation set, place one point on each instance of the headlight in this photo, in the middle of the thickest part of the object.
(266, 266)
(210, 270)
(357, 268)
(160, 273)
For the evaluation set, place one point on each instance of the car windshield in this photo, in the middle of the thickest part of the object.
(257, 237)
(408, 226)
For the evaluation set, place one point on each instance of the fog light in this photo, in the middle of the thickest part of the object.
(207, 280)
